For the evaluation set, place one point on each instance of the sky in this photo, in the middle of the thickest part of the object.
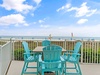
(55, 17)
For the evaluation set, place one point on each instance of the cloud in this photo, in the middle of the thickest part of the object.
(41, 21)
(32, 14)
(15, 19)
(44, 26)
(83, 10)
(37, 1)
(81, 21)
(64, 7)
(34, 22)
(17, 5)
(80, 31)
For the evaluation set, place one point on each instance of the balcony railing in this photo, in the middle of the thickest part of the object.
(90, 50)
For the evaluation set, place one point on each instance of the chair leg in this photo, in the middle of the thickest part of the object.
(37, 67)
(61, 73)
(42, 72)
(24, 67)
(76, 67)
(79, 69)
(56, 72)
(65, 67)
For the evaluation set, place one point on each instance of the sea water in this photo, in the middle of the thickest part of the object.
(53, 37)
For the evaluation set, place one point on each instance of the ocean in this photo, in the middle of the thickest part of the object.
(53, 37)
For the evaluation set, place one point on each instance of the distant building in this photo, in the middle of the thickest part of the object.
(50, 37)
(72, 36)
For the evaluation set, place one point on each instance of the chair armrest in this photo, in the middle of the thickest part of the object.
(30, 50)
(68, 54)
(35, 53)
(77, 54)
(27, 54)
(30, 54)
(68, 51)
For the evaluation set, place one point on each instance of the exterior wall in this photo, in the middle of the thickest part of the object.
(5, 57)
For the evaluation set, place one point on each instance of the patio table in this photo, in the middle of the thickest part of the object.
(39, 49)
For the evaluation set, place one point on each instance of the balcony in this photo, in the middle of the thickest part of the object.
(87, 69)
(11, 51)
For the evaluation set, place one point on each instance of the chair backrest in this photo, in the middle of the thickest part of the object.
(51, 54)
(46, 42)
(77, 48)
(26, 48)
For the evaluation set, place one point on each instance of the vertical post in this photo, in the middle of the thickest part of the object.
(82, 53)
(92, 50)
(65, 44)
(71, 36)
(11, 48)
(97, 51)
(37, 43)
(12, 43)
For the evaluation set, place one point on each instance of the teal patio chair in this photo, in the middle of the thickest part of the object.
(52, 61)
(72, 56)
(29, 57)
(46, 42)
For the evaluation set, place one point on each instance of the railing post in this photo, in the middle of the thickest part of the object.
(97, 51)
(12, 47)
(65, 44)
(82, 53)
(37, 43)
